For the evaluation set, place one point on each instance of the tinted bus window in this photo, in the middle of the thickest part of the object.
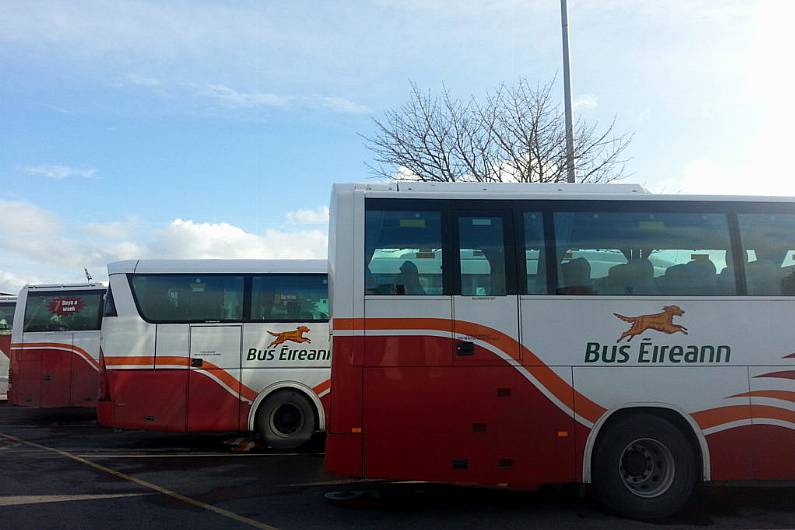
(289, 298)
(63, 311)
(403, 252)
(6, 317)
(604, 253)
(481, 255)
(534, 253)
(769, 243)
(189, 298)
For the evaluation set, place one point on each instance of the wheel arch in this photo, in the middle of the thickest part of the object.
(677, 416)
(320, 414)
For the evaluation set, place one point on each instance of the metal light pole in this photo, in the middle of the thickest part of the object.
(564, 22)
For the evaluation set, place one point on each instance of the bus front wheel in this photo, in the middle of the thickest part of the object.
(644, 467)
(286, 420)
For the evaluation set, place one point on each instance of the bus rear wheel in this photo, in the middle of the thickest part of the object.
(644, 467)
(286, 420)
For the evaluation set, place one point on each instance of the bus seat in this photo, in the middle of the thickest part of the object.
(675, 280)
(633, 278)
(576, 277)
(702, 277)
(763, 277)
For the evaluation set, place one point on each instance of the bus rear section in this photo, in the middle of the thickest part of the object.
(518, 335)
(55, 346)
(7, 304)
(217, 345)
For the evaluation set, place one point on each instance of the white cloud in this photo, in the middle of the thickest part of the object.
(39, 247)
(136, 80)
(59, 171)
(585, 102)
(255, 99)
(233, 98)
(318, 216)
(11, 283)
(189, 239)
(112, 230)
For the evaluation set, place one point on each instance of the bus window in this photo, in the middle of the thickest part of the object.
(637, 254)
(481, 255)
(293, 298)
(769, 243)
(63, 311)
(189, 298)
(403, 252)
(6, 317)
(534, 253)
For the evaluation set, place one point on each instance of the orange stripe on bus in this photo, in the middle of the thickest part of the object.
(175, 360)
(322, 387)
(719, 416)
(230, 380)
(564, 392)
(784, 395)
(127, 361)
(44, 345)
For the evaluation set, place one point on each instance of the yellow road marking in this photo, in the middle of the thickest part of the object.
(145, 484)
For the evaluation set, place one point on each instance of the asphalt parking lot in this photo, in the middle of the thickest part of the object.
(60, 469)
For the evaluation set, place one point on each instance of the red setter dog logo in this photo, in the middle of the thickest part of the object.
(297, 335)
(658, 321)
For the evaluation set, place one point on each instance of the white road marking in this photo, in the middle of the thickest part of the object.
(17, 500)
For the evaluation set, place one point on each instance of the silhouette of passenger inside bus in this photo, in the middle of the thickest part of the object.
(410, 279)
(765, 275)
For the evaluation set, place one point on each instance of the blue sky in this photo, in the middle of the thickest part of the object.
(214, 129)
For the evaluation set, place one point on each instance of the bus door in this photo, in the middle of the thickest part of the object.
(407, 339)
(85, 369)
(485, 310)
(214, 377)
(56, 367)
(485, 343)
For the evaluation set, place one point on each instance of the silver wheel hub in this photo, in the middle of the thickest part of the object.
(647, 467)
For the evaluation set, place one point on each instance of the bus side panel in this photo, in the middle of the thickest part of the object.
(505, 431)
(56, 369)
(344, 441)
(148, 399)
(85, 369)
(25, 377)
(771, 389)
(213, 400)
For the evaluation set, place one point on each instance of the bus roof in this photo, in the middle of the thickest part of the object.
(63, 286)
(528, 191)
(205, 266)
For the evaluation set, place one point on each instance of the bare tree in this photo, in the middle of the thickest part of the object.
(515, 134)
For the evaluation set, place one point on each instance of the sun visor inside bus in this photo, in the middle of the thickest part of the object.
(403, 229)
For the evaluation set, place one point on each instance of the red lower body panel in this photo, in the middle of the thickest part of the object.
(146, 399)
(50, 378)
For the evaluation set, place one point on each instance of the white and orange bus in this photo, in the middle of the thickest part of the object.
(7, 303)
(637, 342)
(217, 345)
(55, 346)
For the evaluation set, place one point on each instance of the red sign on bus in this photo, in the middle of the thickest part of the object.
(65, 306)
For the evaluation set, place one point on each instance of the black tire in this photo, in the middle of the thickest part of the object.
(286, 419)
(644, 467)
